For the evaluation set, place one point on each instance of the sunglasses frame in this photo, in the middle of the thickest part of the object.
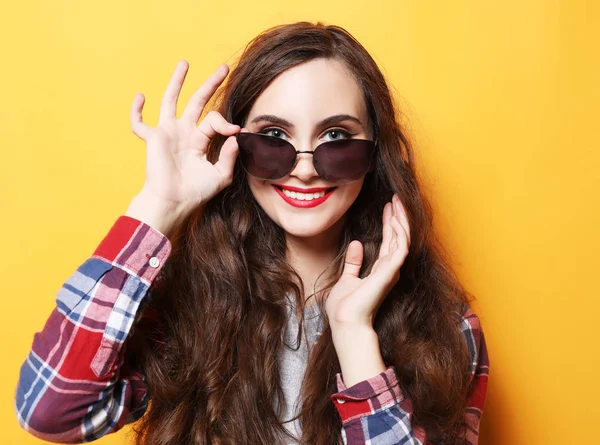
(370, 168)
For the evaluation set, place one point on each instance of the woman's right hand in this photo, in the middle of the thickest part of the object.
(178, 174)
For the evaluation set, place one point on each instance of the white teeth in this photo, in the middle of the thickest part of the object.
(303, 196)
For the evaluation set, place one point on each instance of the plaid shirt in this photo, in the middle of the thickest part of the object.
(75, 385)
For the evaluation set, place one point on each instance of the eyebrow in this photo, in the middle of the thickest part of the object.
(327, 121)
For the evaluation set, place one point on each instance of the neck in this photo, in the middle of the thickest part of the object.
(310, 257)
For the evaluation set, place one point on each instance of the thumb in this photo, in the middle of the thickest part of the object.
(354, 258)
(227, 157)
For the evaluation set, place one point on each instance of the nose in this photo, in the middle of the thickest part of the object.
(304, 168)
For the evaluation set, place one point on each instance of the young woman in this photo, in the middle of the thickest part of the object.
(276, 280)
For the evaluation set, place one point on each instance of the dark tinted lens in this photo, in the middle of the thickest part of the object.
(344, 160)
(265, 157)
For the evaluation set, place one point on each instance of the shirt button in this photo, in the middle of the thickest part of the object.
(341, 401)
(154, 262)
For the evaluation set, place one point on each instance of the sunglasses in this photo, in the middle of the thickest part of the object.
(340, 162)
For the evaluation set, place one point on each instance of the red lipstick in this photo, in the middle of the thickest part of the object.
(304, 203)
(302, 190)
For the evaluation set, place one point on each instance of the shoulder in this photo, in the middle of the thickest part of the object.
(472, 330)
(479, 367)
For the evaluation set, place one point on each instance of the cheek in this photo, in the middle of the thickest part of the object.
(350, 193)
(261, 191)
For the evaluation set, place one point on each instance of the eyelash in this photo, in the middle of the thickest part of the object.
(346, 133)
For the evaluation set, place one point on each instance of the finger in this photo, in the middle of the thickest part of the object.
(387, 272)
(138, 126)
(168, 106)
(215, 123)
(392, 240)
(400, 239)
(354, 258)
(403, 218)
(380, 281)
(387, 230)
(227, 158)
(200, 98)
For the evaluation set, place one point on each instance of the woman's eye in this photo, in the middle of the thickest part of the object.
(338, 134)
(334, 135)
(274, 132)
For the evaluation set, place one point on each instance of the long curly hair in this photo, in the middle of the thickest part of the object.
(210, 352)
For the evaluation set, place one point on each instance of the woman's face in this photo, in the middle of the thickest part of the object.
(292, 107)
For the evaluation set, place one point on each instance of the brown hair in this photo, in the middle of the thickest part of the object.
(211, 357)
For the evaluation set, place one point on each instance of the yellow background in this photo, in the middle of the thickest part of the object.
(502, 99)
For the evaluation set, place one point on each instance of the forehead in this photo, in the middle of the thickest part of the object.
(310, 92)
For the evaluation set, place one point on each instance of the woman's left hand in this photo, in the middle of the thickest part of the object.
(354, 301)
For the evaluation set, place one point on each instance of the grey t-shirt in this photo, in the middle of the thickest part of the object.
(293, 360)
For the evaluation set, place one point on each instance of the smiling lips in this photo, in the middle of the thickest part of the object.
(304, 197)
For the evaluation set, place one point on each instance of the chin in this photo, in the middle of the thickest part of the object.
(303, 230)
(307, 226)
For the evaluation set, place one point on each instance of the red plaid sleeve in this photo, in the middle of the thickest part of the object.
(376, 412)
(74, 385)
